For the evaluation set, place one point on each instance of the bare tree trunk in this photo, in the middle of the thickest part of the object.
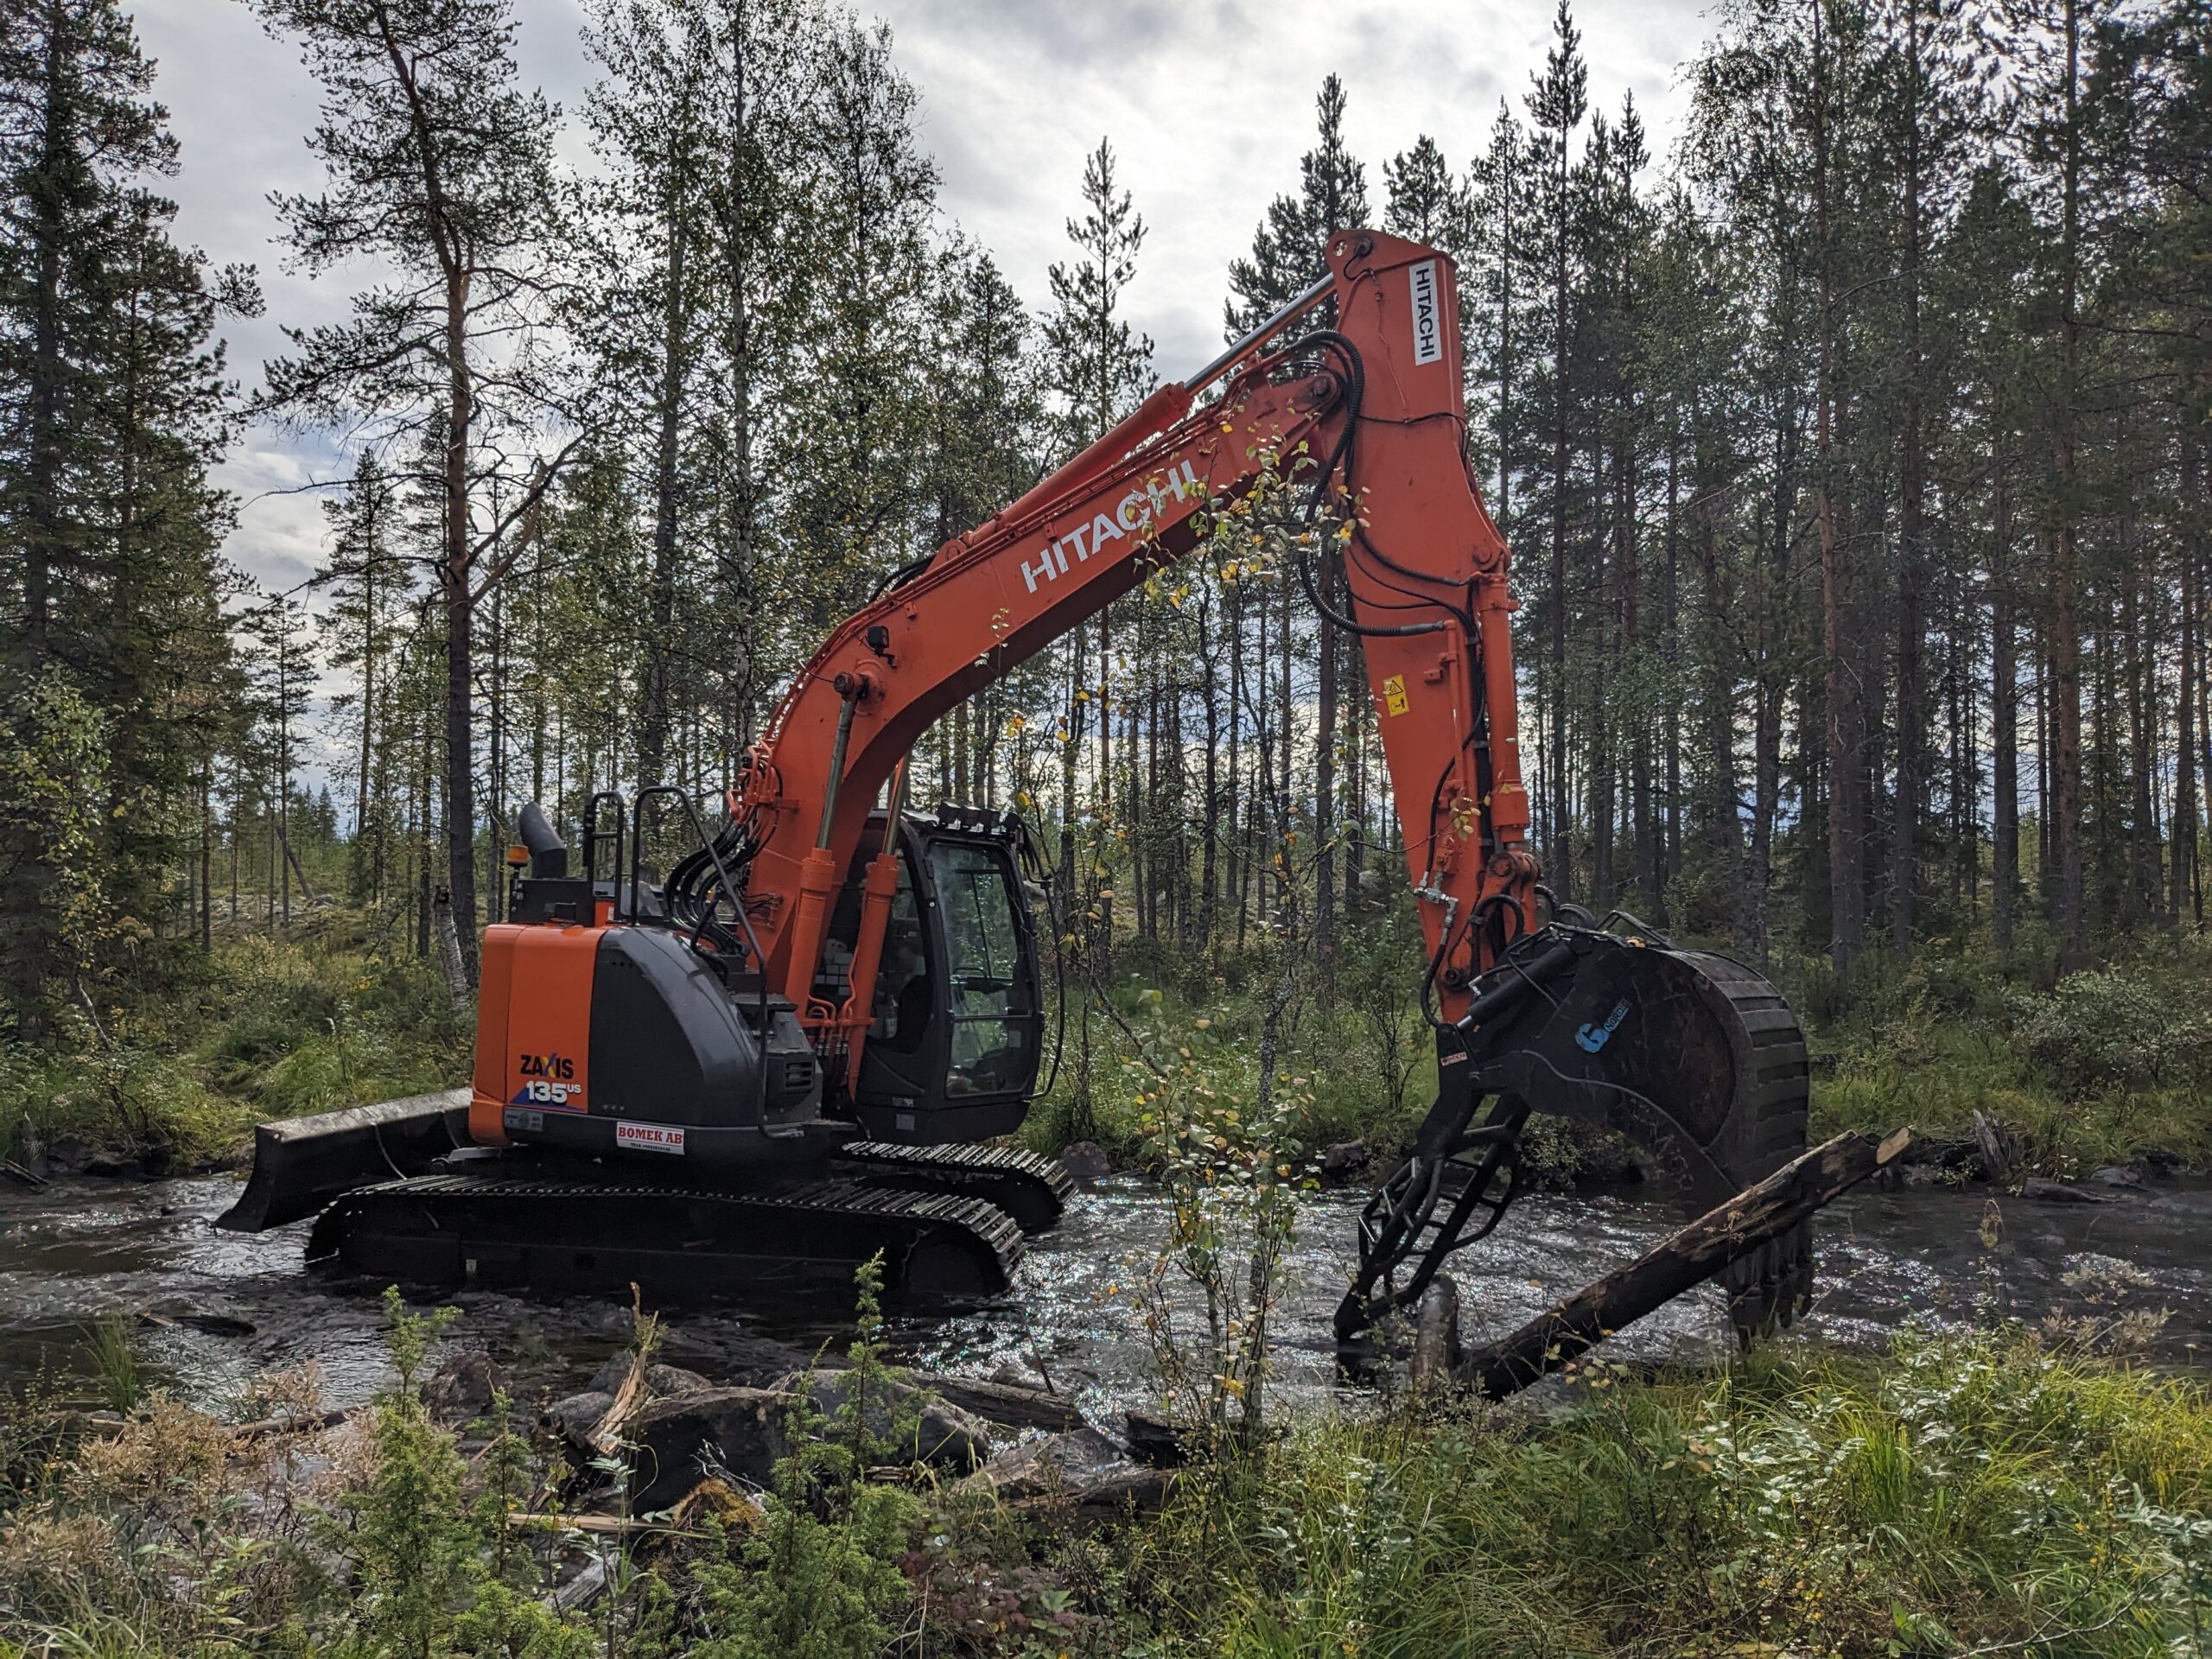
(1904, 848)
(2004, 717)
(1847, 740)
(2182, 858)
(2066, 628)
(660, 610)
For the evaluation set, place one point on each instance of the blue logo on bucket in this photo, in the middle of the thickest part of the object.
(1591, 1038)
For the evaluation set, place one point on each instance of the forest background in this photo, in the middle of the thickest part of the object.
(1854, 453)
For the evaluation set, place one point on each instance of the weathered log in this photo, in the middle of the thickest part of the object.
(1015, 1404)
(1680, 1261)
(300, 1423)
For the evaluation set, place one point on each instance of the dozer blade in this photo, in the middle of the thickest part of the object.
(300, 1164)
(1694, 1057)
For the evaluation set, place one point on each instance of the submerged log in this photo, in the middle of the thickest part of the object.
(1760, 1212)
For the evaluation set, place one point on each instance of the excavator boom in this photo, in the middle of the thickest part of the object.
(1371, 412)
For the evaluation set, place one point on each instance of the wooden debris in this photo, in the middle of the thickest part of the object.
(1016, 1404)
(1762, 1212)
(310, 1422)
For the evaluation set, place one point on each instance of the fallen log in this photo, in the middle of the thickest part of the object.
(1680, 1261)
(1015, 1404)
(301, 1423)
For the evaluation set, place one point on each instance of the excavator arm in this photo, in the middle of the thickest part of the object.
(704, 1024)
(1371, 414)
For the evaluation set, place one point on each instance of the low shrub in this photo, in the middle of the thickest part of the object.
(2113, 1030)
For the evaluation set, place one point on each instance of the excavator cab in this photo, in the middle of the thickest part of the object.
(957, 1022)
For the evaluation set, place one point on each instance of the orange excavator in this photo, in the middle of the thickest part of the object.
(793, 1051)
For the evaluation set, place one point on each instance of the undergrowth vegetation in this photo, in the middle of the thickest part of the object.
(2082, 1071)
(2087, 1069)
(175, 1074)
(2091, 1069)
(1965, 1494)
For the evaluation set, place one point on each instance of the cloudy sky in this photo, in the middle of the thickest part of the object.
(1209, 104)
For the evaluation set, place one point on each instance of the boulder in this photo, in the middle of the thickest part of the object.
(1340, 1162)
(707, 1433)
(661, 1379)
(461, 1387)
(946, 1437)
(2116, 1175)
(577, 1414)
(1158, 1440)
(1085, 1162)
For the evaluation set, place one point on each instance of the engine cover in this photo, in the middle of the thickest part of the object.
(676, 1060)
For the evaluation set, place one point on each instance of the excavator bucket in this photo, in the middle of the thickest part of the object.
(301, 1164)
(1691, 1055)
(1698, 1059)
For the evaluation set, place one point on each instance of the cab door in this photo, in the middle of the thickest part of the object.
(952, 1050)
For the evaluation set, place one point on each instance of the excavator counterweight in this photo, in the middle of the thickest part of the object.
(787, 1054)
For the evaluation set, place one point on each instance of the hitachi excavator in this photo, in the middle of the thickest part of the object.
(795, 1050)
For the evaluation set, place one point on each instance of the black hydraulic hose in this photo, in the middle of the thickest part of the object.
(1362, 630)
(1341, 455)
(899, 578)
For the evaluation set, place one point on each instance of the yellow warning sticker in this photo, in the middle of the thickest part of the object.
(1394, 694)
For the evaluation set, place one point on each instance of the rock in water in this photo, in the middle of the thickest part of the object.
(710, 1432)
(1340, 1162)
(461, 1387)
(576, 1415)
(1085, 1162)
(2047, 1191)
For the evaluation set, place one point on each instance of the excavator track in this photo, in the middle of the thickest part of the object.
(674, 1243)
(1032, 1189)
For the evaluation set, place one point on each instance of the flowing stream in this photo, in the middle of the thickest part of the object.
(211, 1309)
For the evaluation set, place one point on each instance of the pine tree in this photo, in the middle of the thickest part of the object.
(1557, 101)
(438, 164)
(1099, 367)
(112, 409)
(856, 404)
(367, 577)
(1287, 248)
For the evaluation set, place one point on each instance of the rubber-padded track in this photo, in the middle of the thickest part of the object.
(675, 1242)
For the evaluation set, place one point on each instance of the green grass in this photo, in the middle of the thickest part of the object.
(178, 1070)
(114, 1355)
(2091, 1070)
(1964, 1494)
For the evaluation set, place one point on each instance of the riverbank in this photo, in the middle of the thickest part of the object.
(170, 1077)
(2112, 1068)
(1962, 1492)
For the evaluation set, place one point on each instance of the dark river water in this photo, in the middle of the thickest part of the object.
(211, 1309)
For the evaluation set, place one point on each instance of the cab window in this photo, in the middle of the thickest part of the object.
(990, 994)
